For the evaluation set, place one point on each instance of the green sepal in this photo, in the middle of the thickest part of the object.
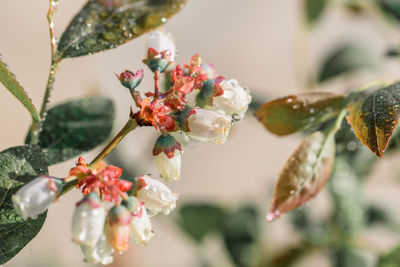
(166, 144)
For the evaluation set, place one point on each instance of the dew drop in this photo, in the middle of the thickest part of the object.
(351, 146)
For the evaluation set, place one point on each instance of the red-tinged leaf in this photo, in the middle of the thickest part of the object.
(374, 114)
(294, 113)
(304, 174)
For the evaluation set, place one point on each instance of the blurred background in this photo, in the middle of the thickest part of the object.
(273, 47)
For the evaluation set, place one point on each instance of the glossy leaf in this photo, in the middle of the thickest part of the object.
(314, 9)
(241, 233)
(374, 114)
(18, 166)
(11, 84)
(304, 174)
(106, 24)
(76, 127)
(198, 220)
(344, 60)
(299, 112)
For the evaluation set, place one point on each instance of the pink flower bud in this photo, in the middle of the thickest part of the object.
(117, 227)
(88, 220)
(36, 196)
(130, 80)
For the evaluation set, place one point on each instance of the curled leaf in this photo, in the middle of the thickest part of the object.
(304, 174)
(374, 114)
(106, 24)
(303, 111)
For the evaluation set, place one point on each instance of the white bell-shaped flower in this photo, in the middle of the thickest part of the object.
(169, 168)
(157, 197)
(140, 226)
(36, 196)
(101, 253)
(160, 41)
(88, 220)
(209, 126)
(234, 101)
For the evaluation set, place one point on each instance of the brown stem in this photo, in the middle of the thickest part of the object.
(129, 126)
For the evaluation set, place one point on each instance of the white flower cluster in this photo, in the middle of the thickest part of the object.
(101, 230)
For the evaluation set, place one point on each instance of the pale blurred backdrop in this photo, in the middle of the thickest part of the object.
(261, 43)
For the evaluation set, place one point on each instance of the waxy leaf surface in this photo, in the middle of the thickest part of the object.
(106, 24)
(294, 113)
(304, 174)
(76, 127)
(374, 114)
(11, 84)
(18, 166)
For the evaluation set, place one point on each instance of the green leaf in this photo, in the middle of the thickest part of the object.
(390, 259)
(314, 9)
(344, 60)
(391, 7)
(241, 233)
(299, 112)
(304, 174)
(12, 85)
(200, 219)
(18, 166)
(374, 114)
(103, 24)
(75, 127)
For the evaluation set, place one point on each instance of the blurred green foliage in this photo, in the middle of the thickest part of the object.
(338, 234)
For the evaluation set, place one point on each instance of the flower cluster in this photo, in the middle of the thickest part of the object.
(218, 103)
(114, 211)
